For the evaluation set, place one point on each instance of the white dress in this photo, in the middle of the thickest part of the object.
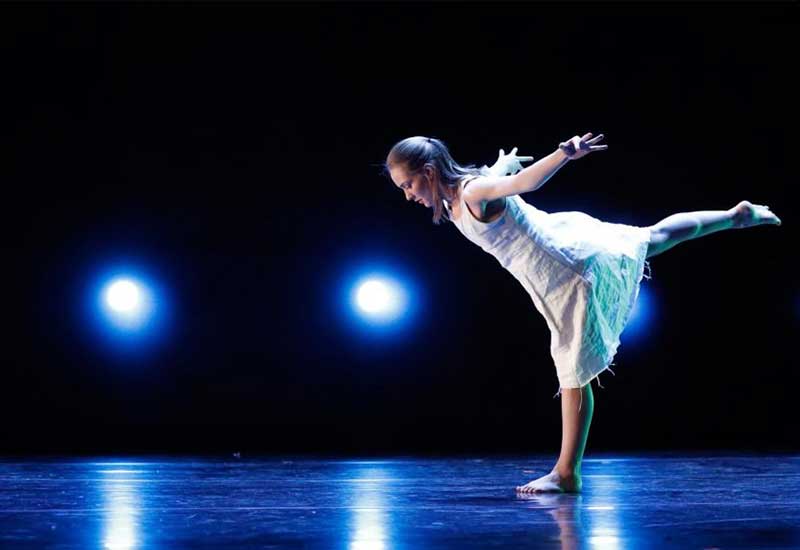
(582, 274)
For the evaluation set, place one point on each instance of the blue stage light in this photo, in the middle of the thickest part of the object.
(124, 296)
(376, 297)
(128, 303)
(127, 308)
(380, 300)
(640, 317)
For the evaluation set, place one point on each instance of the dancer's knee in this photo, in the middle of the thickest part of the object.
(658, 235)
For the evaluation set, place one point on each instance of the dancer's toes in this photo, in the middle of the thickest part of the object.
(765, 215)
(553, 483)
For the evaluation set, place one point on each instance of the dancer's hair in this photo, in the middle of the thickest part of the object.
(416, 152)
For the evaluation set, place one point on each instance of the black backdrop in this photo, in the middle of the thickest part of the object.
(234, 152)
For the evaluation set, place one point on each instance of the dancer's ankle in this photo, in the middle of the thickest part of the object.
(566, 470)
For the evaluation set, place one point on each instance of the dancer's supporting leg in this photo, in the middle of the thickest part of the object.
(577, 406)
(690, 225)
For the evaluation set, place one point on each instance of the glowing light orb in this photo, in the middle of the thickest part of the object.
(125, 308)
(127, 303)
(123, 296)
(380, 300)
(375, 297)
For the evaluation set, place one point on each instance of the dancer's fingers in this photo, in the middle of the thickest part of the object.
(595, 139)
(586, 136)
(598, 147)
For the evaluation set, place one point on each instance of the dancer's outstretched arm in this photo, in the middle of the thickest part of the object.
(489, 188)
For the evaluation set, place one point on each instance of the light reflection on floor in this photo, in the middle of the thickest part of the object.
(398, 504)
(122, 504)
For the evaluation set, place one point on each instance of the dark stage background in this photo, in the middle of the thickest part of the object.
(234, 153)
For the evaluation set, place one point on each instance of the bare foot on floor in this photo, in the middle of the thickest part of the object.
(553, 483)
(747, 214)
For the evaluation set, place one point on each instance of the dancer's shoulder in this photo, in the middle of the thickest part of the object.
(490, 188)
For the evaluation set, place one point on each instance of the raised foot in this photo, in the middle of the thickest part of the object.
(553, 483)
(747, 214)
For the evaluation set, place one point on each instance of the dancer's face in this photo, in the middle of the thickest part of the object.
(417, 187)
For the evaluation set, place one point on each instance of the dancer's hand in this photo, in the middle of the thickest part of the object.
(508, 164)
(578, 147)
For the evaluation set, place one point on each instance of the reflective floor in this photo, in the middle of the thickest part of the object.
(721, 502)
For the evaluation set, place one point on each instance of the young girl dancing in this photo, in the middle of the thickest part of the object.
(582, 274)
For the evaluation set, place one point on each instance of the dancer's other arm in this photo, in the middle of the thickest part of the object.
(489, 188)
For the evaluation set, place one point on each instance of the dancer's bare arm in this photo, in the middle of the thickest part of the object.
(489, 188)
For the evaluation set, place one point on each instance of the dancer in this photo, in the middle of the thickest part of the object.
(581, 273)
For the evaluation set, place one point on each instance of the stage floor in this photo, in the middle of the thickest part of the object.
(642, 501)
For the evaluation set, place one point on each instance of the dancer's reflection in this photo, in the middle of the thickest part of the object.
(566, 511)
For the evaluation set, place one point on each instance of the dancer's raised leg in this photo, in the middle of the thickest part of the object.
(690, 225)
(577, 406)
